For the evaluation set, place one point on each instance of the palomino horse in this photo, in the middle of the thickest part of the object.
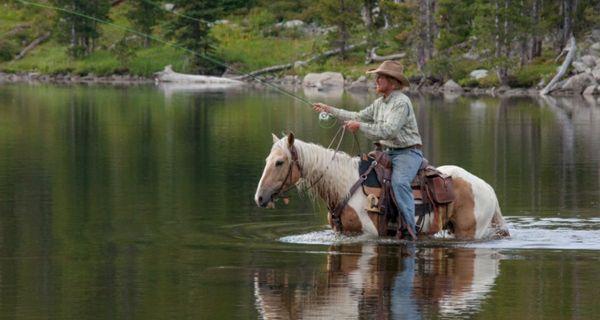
(474, 214)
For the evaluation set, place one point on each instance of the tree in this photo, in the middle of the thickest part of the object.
(343, 14)
(79, 31)
(192, 31)
(145, 14)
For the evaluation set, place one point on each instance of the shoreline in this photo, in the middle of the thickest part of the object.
(290, 82)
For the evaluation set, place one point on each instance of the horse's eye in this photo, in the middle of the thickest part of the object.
(278, 163)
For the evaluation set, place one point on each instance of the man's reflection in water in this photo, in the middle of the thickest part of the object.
(403, 305)
(372, 281)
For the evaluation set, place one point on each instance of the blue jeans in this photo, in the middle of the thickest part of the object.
(403, 303)
(405, 164)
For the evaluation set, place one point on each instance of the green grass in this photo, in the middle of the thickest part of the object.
(254, 52)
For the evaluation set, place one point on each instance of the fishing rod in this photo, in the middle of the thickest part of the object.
(323, 116)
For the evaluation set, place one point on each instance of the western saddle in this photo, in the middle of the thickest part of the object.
(432, 190)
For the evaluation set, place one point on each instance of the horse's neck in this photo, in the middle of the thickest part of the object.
(327, 178)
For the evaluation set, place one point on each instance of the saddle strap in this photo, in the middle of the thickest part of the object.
(336, 213)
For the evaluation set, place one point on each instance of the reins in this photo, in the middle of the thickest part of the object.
(294, 154)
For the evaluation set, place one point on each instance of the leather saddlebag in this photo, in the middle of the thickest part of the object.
(440, 186)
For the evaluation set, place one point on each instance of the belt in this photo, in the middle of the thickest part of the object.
(414, 146)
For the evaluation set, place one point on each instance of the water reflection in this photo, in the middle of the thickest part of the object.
(380, 282)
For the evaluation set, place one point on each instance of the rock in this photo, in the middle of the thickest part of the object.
(451, 86)
(590, 91)
(596, 47)
(478, 74)
(596, 34)
(323, 80)
(579, 82)
(596, 73)
(580, 67)
(169, 6)
(589, 60)
(299, 65)
(360, 85)
(290, 24)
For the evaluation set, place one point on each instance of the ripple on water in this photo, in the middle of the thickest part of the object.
(526, 233)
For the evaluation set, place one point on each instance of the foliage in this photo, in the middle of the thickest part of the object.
(490, 81)
(80, 31)
(124, 51)
(145, 15)
(455, 19)
(192, 31)
(8, 49)
(340, 13)
(530, 75)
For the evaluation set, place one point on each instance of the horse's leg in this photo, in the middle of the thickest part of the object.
(462, 211)
(351, 223)
(499, 224)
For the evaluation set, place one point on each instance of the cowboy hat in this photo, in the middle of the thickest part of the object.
(391, 69)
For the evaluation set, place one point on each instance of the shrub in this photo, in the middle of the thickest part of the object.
(530, 75)
(491, 80)
(7, 50)
(468, 82)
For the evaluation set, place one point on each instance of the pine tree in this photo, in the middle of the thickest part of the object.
(145, 14)
(80, 31)
(344, 15)
(192, 31)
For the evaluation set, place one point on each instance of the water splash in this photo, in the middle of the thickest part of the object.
(526, 233)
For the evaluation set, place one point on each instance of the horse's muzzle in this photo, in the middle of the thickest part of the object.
(263, 200)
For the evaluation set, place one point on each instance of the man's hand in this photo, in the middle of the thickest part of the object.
(352, 125)
(321, 107)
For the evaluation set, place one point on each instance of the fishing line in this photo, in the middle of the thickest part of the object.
(323, 116)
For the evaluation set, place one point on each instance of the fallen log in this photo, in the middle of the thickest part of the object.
(570, 48)
(32, 45)
(16, 30)
(168, 75)
(373, 57)
(281, 67)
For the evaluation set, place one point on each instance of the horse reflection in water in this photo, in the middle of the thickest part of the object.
(380, 282)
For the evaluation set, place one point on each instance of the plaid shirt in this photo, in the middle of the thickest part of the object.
(390, 121)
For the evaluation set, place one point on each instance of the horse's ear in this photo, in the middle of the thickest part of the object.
(275, 139)
(290, 139)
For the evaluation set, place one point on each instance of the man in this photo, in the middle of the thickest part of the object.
(390, 120)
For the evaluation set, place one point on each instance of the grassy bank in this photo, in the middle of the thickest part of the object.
(240, 44)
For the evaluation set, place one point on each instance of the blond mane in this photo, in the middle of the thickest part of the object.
(323, 177)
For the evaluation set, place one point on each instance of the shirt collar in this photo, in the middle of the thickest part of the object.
(391, 95)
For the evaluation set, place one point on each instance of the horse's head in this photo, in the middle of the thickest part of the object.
(282, 171)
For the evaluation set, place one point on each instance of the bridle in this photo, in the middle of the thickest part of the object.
(282, 189)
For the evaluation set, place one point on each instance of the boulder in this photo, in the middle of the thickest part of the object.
(590, 91)
(323, 80)
(596, 34)
(580, 67)
(360, 85)
(589, 60)
(579, 82)
(290, 24)
(596, 47)
(478, 74)
(451, 86)
(596, 73)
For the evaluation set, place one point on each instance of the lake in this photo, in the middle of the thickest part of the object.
(137, 203)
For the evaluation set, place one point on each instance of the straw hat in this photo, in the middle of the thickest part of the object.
(392, 69)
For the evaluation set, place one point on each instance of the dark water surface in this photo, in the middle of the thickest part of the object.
(136, 203)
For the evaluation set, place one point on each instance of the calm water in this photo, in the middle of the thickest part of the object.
(136, 203)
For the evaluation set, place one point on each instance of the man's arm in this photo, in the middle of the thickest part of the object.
(365, 115)
(389, 128)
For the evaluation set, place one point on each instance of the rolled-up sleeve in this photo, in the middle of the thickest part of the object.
(365, 115)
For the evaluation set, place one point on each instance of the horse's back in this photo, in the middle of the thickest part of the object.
(484, 196)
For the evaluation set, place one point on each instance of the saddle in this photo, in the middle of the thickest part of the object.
(431, 190)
